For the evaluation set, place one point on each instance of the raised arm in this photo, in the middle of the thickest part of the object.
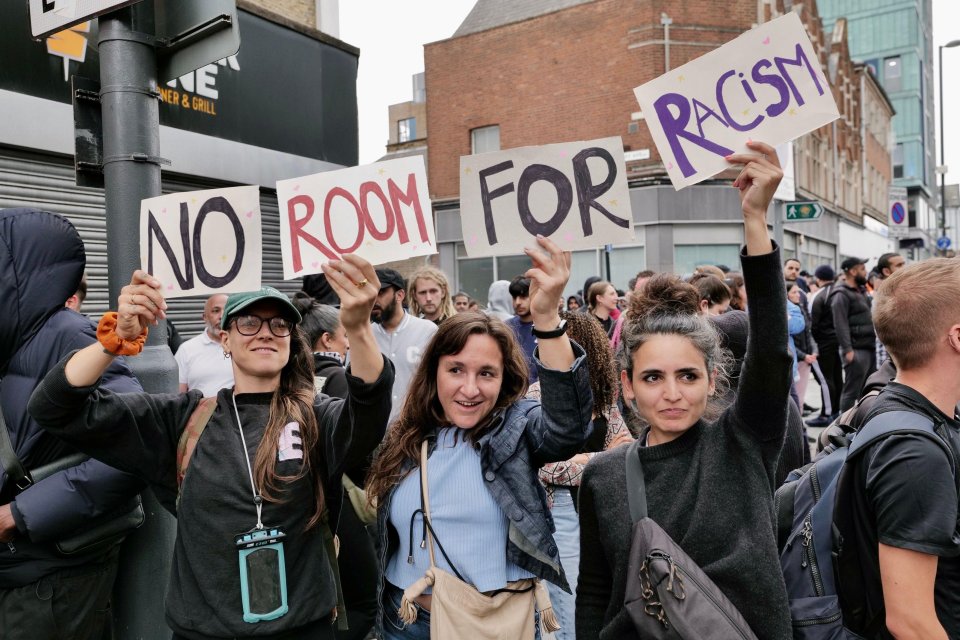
(355, 281)
(761, 404)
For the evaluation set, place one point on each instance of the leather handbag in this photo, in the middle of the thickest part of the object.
(100, 533)
(667, 595)
(458, 611)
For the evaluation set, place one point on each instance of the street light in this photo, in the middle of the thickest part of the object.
(943, 161)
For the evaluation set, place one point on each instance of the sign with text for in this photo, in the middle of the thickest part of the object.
(574, 193)
(379, 211)
(47, 16)
(201, 242)
(766, 84)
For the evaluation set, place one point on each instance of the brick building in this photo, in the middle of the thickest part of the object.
(531, 72)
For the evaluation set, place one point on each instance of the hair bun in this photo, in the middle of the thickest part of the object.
(303, 301)
(665, 294)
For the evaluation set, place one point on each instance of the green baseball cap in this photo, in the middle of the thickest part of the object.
(237, 302)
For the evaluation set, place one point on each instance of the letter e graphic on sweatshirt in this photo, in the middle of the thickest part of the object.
(291, 446)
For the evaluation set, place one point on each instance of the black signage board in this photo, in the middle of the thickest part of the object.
(283, 91)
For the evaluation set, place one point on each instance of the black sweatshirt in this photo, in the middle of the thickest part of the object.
(139, 432)
(711, 489)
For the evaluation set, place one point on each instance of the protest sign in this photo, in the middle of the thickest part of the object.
(201, 242)
(508, 197)
(766, 85)
(378, 211)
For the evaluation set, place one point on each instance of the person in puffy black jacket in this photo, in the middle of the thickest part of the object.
(44, 594)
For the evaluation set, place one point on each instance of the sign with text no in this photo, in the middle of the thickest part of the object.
(574, 193)
(766, 84)
(379, 211)
(202, 242)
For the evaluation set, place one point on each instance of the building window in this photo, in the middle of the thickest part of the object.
(485, 139)
(892, 72)
(898, 161)
(406, 129)
(686, 257)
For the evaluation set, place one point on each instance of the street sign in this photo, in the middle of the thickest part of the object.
(50, 16)
(191, 35)
(943, 243)
(899, 218)
(800, 211)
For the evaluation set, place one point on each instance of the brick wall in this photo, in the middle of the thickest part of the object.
(302, 11)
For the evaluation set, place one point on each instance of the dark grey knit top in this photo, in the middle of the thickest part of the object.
(711, 489)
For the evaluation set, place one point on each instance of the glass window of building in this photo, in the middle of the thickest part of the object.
(898, 160)
(406, 129)
(892, 73)
(625, 262)
(485, 139)
(686, 257)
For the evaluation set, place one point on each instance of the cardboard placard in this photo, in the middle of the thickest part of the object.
(379, 211)
(574, 193)
(203, 242)
(766, 84)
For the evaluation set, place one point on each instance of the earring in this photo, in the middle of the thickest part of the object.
(226, 354)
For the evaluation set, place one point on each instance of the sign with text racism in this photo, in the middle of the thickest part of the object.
(574, 193)
(379, 211)
(201, 242)
(766, 84)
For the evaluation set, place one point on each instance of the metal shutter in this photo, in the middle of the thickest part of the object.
(47, 182)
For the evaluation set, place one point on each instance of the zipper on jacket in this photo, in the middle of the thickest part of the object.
(809, 622)
(815, 484)
(674, 567)
(810, 553)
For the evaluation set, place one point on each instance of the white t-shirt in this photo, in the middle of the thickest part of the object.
(202, 365)
(404, 347)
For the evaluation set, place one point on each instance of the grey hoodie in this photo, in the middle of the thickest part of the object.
(499, 300)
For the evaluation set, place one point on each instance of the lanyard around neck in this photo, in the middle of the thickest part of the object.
(257, 500)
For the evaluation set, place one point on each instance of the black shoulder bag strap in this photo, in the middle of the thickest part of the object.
(636, 487)
(11, 463)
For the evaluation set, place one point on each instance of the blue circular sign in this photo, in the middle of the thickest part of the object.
(943, 243)
(897, 213)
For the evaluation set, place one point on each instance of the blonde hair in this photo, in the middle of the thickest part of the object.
(446, 302)
(914, 307)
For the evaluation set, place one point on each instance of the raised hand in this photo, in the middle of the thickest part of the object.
(355, 281)
(757, 183)
(548, 278)
(139, 305)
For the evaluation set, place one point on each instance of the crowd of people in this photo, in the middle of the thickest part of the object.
(380, 456)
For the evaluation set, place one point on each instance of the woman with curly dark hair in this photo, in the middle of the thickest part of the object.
(480, 507)
(708, 482)
(562, 479)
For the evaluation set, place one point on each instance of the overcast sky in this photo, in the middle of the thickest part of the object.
(391, 36)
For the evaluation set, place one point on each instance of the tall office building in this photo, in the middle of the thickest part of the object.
(895, 38)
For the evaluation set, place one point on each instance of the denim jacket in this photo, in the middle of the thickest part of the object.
(525, 436)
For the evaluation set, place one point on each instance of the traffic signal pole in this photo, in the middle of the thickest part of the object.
(131, 167)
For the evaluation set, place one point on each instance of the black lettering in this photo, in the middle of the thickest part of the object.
(486, 196)
(48, 5)
(185, 277)
(535, 173)
(587, 192)
(218, 204)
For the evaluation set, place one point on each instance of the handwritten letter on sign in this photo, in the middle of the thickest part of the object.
(379, 211)
(574, 193)
(202, 242)
(766, 85)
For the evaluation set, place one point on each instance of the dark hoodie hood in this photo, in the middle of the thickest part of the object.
(41, 262)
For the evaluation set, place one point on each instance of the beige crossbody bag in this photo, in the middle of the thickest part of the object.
(459, 612)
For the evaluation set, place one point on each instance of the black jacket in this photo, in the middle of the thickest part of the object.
(41, 262)
(822, 317)
(851, 318)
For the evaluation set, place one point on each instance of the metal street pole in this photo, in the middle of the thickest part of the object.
(943, 161)
(131, 168)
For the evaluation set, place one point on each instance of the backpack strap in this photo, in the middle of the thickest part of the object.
(636, 486)
(895, 422)
(196, 423)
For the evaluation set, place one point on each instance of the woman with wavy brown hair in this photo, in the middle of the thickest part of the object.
(249, 559)
(485, 509)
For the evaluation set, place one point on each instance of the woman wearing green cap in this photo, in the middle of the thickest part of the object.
(250, 559)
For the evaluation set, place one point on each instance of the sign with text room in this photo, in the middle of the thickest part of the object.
(203, 242)
(573, 193)
(378, 211)
(766, 84)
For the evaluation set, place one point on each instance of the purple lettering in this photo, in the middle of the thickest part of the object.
(774, 81)
(697, 106)
(674, 127)
(726, 113)
(800, 60)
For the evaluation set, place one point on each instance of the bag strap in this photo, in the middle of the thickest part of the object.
(11, 463)
(425, 498)
(636, 486)
(196, 423)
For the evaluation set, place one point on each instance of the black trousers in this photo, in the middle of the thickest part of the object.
(832, 368)
(855, 374)
(71, 604)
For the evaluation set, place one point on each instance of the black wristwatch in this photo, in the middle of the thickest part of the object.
(553, 333)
